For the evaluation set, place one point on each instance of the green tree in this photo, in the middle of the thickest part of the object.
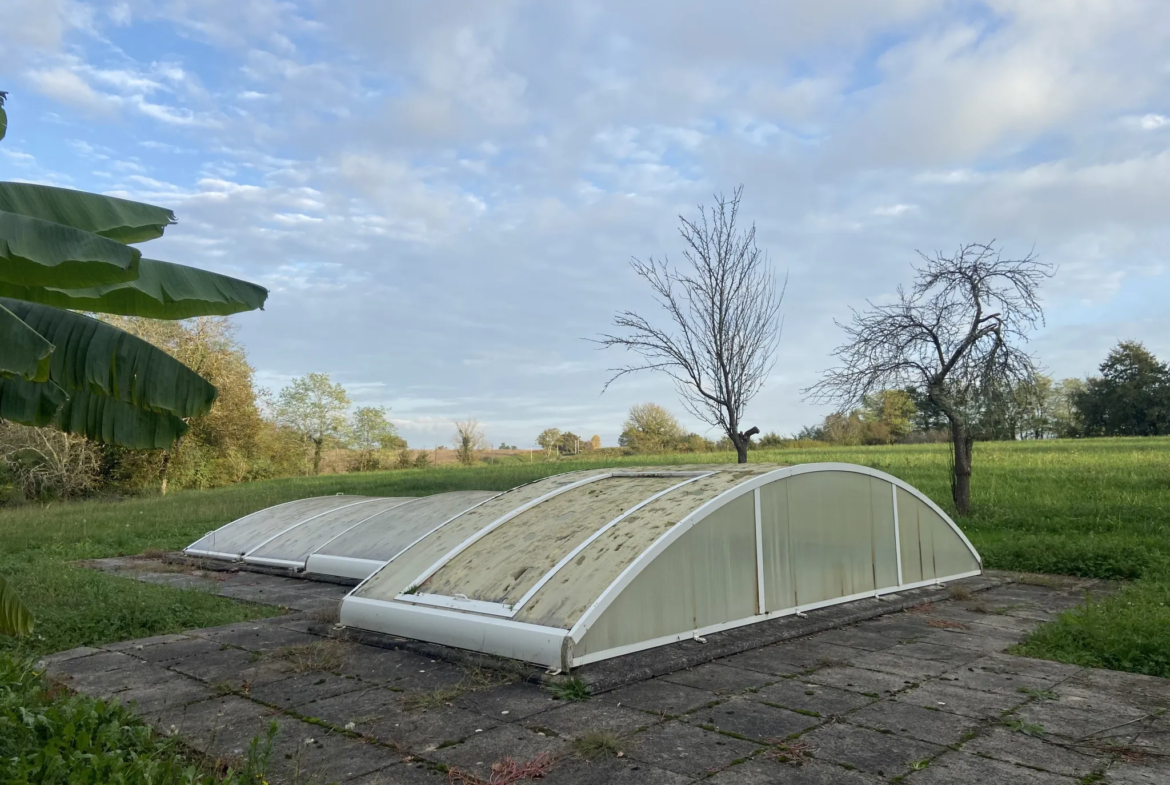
(468, 438)
(369, 431)
(888, 415)
(1131, 397)
(63, 251)
(650, 428)
(548, 440)
(569, 442)
(315, 408)
(1066, 417)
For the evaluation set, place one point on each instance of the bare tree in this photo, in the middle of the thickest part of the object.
(719, 341)
(467, 439)
(955, 334)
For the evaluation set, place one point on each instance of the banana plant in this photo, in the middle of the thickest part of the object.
(64, 251)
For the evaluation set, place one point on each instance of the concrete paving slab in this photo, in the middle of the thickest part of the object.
(718, 678)
(1005, 745)
(959, 767)
(164, 696)
(883, 754)
(206, 725)
(960, 700)
(508, 702)
(175, 650)
(916, 722)
(257, 637)
(858, 637)
(867, 682)
(896, 663)
(770, 772)
(687, 750)
(755, 720)
(401, 669)
(808, 653)
(1102, 721)
(304, 753)
(766, 660)
(141, 643)
(662, 697)
(404, 774)
(1155, 771)
(923, 650)
(612, 771)
(477, 754)
(300, 692)
(422, 731)
(800, 695)
(597, 715)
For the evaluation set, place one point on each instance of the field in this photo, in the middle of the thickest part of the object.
(1098, 508)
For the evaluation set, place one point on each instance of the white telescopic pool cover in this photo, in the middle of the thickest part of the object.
(595, 564)
(359, 532)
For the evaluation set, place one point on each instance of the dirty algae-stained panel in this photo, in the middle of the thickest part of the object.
(401, 573)
(831, 526)
(938, 552)
(917, 554)
(566, 597)
(383, 536)
(885, 551)
(705, 577)
(502, 566)
(298, 543)
(779, 578)
(246, 533)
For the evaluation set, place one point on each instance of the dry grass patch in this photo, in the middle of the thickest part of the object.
(961, 593)
(597, 744)
(474, 679)
(947, 624)
(330, 614)
(324, 655)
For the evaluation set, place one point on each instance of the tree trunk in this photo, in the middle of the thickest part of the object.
(317, 445)
(741, 448)
(961, 446)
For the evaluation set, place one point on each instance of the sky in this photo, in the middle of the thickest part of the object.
(444, 197)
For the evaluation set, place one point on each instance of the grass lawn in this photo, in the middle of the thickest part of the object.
(1097, 507)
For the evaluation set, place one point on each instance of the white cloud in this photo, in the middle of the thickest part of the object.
(64, 85)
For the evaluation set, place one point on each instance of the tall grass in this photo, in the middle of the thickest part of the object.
(1094, 507)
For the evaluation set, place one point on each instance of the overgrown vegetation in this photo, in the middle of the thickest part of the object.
(48, 736)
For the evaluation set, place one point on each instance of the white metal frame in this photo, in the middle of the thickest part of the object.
(470, 626)
(248, 554)
(236, 556)
(761, 597)
(461, 602)
(632, 570)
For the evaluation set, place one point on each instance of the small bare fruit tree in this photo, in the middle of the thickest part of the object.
(718, 340)
(956, 334)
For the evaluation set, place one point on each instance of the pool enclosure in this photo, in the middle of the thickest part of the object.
(338, 536)
(590, 565)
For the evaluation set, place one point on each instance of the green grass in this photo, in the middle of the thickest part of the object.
(1094, 507)
(50, 737)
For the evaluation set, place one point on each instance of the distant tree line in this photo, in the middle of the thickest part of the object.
(1130, 397)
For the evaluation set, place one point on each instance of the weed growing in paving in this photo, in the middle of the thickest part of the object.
(1020, 726)
(597, 744)
(506, 772)
(49, 735)
(572, 689)
(326, 655)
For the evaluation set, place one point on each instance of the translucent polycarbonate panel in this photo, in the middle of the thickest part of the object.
(562, 601)
(705, 577)
(779, 577)
(917, 562)
(503, 565)
(939, 551)
(383, 536)
(404, 570)
(831, 530)
(297, 543)
(885, 551)
(241, 535)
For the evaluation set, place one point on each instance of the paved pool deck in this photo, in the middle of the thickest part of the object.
(923, 694)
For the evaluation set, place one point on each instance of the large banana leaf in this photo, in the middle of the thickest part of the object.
(15, 618)
(23, 351)
(30, 403)
(96, 417)
(112, 421)
(3, 120)
(42, 253)
(162, 291)
(98, 357)
(108, 216)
